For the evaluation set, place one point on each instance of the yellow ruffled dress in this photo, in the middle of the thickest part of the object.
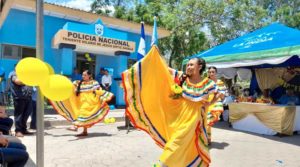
(176, 125)
(215, 110)
(86, 109)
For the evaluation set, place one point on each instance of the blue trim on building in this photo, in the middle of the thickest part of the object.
(19, 29)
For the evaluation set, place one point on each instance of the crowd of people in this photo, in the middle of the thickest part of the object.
(289, 98)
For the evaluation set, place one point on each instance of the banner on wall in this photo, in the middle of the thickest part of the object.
(92, 43)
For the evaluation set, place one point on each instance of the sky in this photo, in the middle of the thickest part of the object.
(77, 4)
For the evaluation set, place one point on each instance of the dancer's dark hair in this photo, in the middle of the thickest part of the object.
(200, 61)
(213, 67)
(80, 82)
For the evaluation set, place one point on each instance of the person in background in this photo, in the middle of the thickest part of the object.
(8, 83)
(106, 81)
(5, 122)
(289, 98)
(265, 97)
(100, 75)
(2, 79)
(256, 94)
(12, 72)
(33, 114)
(246, 96)
(22, 104)
(214, 111)
(75, 75)
(12, 153)
(230, 97)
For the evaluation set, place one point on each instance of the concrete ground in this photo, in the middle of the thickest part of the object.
(107, 146)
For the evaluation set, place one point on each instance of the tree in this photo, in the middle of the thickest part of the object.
(197, 25)
(104, 6)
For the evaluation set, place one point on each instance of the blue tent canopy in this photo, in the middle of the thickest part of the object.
(273, 44)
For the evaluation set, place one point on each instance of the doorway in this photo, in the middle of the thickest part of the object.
(86, 61)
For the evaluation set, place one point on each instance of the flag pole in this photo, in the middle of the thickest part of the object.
(142, 44)
(40, 98)
(154, 40)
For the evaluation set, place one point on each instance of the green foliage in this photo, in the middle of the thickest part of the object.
(120, 12)
(197, 25)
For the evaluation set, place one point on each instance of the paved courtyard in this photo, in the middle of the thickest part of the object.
(106, 146)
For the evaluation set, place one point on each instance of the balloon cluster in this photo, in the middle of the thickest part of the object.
(109, 120)
(87, 56)
(34, 72)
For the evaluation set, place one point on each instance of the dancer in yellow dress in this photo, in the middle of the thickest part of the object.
(87, 105)
(214, 111)
(174, 119)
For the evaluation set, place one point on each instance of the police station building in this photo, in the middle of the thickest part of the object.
(72, 39)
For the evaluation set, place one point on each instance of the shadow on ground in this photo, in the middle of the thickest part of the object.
(219, 146)
(91, 135)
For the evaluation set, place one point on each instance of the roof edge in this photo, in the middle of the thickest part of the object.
(85, 17)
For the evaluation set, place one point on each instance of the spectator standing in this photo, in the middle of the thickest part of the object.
(100, 75)
(22, 104)
(33, 114)
(106, 81)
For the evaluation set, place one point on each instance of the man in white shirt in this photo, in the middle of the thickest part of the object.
(106, 81)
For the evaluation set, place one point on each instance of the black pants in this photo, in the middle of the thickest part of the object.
(14, 155)
(5, 125)
(23, 109)
(33, 116)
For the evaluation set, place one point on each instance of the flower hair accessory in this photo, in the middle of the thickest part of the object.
(176, 91)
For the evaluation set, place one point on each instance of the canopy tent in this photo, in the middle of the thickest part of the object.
(257, 53)
(271, 45)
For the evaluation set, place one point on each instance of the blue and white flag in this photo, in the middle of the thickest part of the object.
(154, 40)
(142, 45)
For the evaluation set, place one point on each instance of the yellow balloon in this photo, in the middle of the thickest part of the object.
(112, 120)
(87, 55)
(106, 121)
(57, 88)
(51, 71)
(32, 71)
